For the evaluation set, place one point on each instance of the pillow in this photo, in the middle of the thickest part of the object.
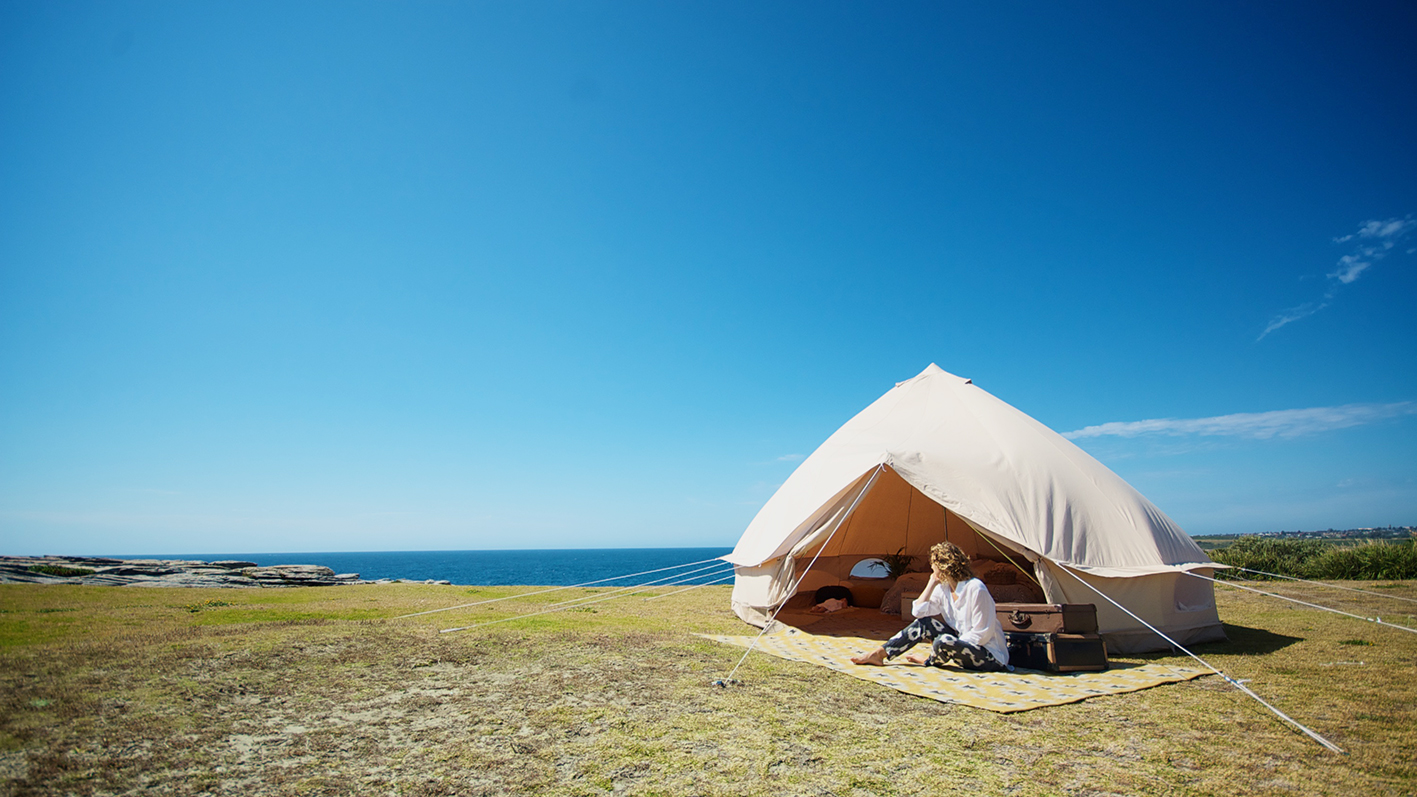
(907, 584)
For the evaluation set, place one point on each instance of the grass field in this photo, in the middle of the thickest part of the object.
(321, 691)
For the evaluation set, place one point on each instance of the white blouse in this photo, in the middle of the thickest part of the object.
(971, 611)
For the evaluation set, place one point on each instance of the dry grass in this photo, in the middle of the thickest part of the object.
(318, 691)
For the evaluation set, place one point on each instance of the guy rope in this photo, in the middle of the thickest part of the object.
(1378, 620)
(1330, 586)
(555, 589)
(575, 603)
(1238, 685)
(728, 679)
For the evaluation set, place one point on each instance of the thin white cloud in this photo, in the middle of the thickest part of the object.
(1375, 238)
(1291, 315)
(1373, 229)
(1387, 229)
(1254, 425)
(791, 458)
(1349, 267)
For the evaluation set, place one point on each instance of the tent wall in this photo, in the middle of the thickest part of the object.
(758, 591)
(1181, 606)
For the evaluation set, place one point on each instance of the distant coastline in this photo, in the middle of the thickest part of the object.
(560, 567)
(1374, 533)
(1383, 533)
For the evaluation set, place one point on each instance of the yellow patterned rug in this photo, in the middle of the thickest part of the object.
(1020, 690)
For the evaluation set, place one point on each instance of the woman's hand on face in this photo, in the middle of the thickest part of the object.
(931, 584)
(936, 577)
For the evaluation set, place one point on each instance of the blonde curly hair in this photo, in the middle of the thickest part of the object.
(950, 560)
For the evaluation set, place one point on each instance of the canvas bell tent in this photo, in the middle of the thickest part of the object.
(937, 458)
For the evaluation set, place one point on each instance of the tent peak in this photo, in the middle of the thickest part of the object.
(933, 370)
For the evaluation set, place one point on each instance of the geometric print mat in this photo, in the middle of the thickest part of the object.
(1004, 692)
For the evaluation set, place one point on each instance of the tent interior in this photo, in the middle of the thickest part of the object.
(894, 516)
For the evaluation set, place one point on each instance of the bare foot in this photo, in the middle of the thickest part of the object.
(875, 658)
(915, 658)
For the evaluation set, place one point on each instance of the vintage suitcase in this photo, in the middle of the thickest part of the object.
(1048, 618)
(1057, 652)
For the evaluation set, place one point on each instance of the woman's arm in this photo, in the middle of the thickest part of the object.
(929, 587)
(929, 603)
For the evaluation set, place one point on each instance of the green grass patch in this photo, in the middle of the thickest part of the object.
(268, 615)
(143, 696)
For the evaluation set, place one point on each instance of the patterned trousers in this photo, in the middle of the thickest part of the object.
(946, 647)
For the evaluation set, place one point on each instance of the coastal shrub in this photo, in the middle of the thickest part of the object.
(1284, 557)
(1369, 561)
(60, 570)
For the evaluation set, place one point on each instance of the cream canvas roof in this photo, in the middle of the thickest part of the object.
(987, 462)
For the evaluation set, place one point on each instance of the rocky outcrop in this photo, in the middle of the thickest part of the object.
(99, 571)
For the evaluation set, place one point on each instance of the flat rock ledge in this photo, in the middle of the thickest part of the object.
(98, 571)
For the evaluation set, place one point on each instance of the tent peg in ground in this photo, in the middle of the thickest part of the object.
(724, 683)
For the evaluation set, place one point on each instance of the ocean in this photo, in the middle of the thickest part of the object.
(497, 568)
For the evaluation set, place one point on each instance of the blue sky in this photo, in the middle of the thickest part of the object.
(392, 276)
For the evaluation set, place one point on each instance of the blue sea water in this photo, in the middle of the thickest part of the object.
(494, 568)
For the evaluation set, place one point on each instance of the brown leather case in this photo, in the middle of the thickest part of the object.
(1048, 618)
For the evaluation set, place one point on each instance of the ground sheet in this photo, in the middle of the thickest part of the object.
(832, 642)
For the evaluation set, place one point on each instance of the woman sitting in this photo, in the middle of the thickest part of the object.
(956, 614)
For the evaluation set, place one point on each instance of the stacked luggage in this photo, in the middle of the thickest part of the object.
(1054, 637)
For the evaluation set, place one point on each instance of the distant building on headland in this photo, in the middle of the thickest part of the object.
(1377, 533)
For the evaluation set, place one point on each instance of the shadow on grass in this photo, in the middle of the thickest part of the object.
(1246, 641)
(1241, 641)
